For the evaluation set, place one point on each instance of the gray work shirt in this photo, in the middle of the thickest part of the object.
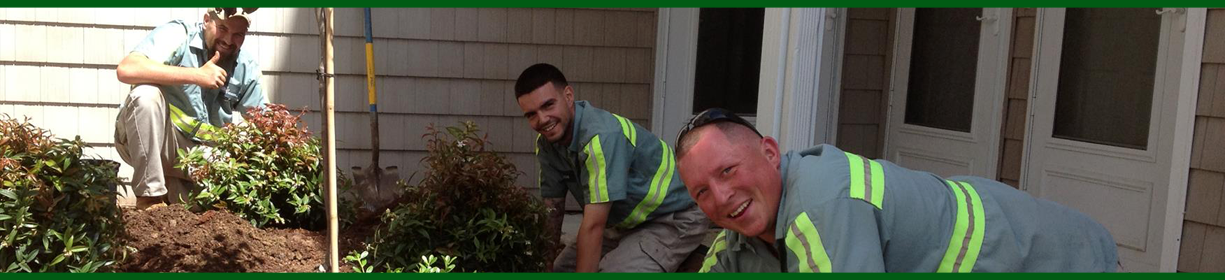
(843, 213)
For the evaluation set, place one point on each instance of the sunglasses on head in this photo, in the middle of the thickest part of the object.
(713, 115)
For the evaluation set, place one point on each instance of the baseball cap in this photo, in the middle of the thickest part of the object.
(226, 13)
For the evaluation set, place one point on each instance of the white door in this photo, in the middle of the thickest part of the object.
(1106, 93)
(947, 90)
(705, 58)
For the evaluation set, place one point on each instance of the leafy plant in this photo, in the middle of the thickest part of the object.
(427, 264)
(265, 170)
(359, 262)
(467, 206)
(57, 210)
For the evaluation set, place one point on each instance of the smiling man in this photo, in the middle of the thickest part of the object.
(187, 80)
(825, 210)
(636, 216)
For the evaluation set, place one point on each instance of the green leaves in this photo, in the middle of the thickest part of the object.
(57, 209)
(8, 193)
(265, 170)
(467, 206)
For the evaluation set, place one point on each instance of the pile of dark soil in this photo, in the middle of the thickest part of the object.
(173, 239)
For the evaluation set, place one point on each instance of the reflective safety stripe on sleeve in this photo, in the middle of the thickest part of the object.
(627, 128)
(712, 255)
(597, 173)
(659, 189)
(805, 243)
(867, 180)
(194, 129)
(967, 238)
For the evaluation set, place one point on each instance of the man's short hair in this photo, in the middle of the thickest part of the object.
(537, 75)
(736, 134)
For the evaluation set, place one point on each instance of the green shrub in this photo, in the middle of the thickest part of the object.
(359, 263)
(57, 210)
(467, 206)
(265, 170)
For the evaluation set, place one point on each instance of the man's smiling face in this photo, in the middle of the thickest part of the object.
(549, 110)
(734, 179)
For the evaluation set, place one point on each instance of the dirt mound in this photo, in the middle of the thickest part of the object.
(173, 239)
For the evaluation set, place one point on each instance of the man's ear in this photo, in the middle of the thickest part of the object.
(769, 148)
(568, 93)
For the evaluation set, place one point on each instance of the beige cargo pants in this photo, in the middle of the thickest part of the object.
(658, 245)
(148, 142)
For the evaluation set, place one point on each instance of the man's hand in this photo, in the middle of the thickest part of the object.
(591, 237)
(211, 75)
(137, 69)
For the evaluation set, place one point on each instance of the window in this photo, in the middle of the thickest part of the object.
(943, 68)
(728, 59)
(1106, 76)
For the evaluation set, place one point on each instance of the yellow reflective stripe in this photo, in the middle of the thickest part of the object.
(659, 189)
(805, 243)
(633, 132)
(191, 126)
(712, 255)
(966, 240)
(979, 217)
(867, 180)
(597, 177)
(627, 128)
(539, 166)
(855, 164)
(878, 185)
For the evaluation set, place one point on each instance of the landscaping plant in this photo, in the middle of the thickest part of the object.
(467, 206)
(57, 210)
(266, 170)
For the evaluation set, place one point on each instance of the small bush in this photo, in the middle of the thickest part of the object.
(57, 210)
(359, 263)
(466, 206)
(265, 170)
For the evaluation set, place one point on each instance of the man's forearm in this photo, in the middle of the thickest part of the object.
(138, 69)
(590, 241)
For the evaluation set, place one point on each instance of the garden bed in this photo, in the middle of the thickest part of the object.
(173, 239)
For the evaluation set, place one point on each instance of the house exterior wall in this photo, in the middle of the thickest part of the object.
(1016, 104)
(863, 104)
(439, 65)
(1203, 232)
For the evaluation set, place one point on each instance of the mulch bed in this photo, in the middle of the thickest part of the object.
(173, 239)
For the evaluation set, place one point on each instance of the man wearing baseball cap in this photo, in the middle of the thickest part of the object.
(188, 79)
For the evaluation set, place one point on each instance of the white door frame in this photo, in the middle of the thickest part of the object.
(1184, 129)
(801, 59)
(990, 90)
(801, 62)
(1187, 82)
(676, 51)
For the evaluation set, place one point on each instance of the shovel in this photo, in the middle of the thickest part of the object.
(375, 185)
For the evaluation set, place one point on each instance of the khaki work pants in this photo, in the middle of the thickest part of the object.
(148, 142)
(658, 245)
